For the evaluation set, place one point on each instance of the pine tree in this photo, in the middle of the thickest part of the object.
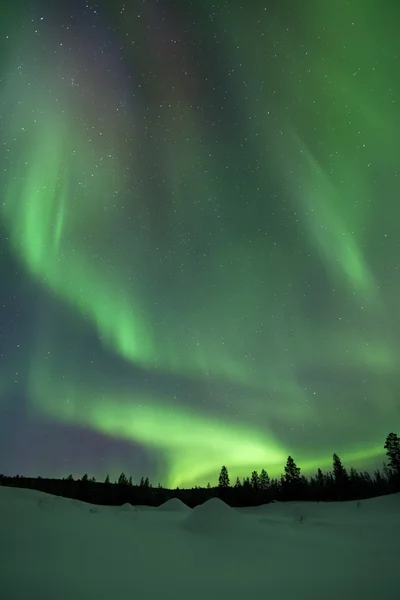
(238, 483)
(354, 476)
(320, 478)
(122, 480)
(339, 472)
(392, 447)
(107, 480)
(130, 482)
(85, 478)
(255, 480)
(292, 471)
(341, 488)
(264, 480)
(223, 479)
(246, 482)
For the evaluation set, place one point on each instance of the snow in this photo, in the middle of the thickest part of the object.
(53, 547)
(174, 504)
(216, 517)
(125, 508)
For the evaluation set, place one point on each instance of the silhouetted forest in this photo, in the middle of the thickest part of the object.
(336, 485)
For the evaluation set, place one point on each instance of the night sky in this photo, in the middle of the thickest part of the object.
(200, 245)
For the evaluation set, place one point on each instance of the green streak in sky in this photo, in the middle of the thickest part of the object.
(192, 444)
(63, 212)
(65, 209)
(58, 207)
(319, 202)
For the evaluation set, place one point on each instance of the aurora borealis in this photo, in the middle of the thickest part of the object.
(200, 251)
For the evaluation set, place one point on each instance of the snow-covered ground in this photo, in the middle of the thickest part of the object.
(59, 549)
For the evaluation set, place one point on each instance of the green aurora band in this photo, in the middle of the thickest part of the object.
(66, 204)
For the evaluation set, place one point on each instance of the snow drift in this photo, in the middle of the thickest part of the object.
(214, 516)
(174, 504)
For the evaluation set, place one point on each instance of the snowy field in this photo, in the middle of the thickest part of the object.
(59, 549)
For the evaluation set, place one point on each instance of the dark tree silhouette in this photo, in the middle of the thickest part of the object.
(223, 479)
(122, 480)
(340, 478)
(320, 478)
(246, 482)
(264, 480)
(255, 480)
(247, 491)
(292, 471)
(392, 447)
(354, 476)
(339, 472)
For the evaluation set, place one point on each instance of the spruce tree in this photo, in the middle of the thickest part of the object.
(238, 483)
(292, 471)
(339, 472)
(392, 447)
(264, 480)
(246, 483)
(354, 476)
(320, 478)
(122, 480)
(223, 479)
(255, 480)
(340, 479)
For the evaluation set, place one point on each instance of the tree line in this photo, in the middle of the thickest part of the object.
(258, 488)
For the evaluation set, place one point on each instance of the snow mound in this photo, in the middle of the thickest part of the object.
(127, 507)
(175, 504)
(214, 516)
